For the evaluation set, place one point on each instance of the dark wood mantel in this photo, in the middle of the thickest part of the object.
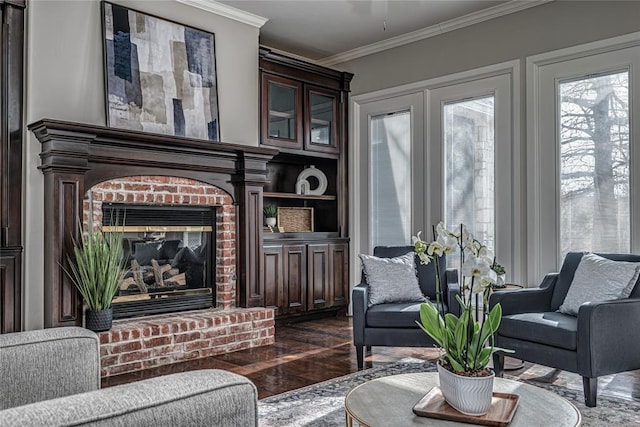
(74, 157)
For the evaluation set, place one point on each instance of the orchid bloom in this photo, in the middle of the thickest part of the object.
(435, 249)
(475, 266)
(448, 243)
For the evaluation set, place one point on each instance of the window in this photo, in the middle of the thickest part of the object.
(469, 190)
(473, 173)
(391, 178)
(583, 168)
(594, 163)
(454, 141)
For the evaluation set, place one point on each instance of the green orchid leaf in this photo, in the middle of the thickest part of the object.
(454, 364)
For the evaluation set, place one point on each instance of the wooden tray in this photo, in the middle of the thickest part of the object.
(433, 405)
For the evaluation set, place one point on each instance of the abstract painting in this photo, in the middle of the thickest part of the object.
(160, 75)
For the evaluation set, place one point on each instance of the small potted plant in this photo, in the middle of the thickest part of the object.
(271, 212)
(97, 269)
(467, 343)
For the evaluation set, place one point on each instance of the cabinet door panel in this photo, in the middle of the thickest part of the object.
(295, 280)
(281, 112)
(339, 270)
(274, 278)
(321, 120)
(318, 274)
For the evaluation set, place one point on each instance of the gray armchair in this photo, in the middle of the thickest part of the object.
(594, 343)
(52, 377)
(394, 324)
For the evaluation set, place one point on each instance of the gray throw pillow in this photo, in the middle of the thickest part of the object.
(599, 279)
(392, 279)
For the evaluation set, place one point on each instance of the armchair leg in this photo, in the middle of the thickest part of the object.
(590, 386)
(368, 349)
(360, 356)
(498, 364)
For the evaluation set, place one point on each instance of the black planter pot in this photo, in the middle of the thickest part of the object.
(99, 321)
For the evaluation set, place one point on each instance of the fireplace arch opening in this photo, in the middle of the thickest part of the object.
(179, 242)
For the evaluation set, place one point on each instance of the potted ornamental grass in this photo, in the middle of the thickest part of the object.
(466, 343)
(271, 212)
(96, 268)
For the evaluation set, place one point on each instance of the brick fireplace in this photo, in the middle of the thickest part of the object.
(177, 192)
(83, 163)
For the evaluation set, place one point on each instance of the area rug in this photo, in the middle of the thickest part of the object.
(322, 404)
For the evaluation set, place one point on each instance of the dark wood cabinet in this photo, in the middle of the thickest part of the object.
(339, 274)
(273, 269)
(282, 106)
(304, 114)
(295, 278)
(319, 280)
(321, 120)
(285, 278)
(12, 15)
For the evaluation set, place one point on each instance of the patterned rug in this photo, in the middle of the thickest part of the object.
(322, 404)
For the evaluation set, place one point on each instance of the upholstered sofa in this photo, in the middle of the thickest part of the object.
(52, 377)
(394, 324)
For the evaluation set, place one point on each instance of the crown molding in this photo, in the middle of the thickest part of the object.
(434, 30)
(227, 11)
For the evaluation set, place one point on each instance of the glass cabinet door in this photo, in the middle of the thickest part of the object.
(282, 105)
(321, 119)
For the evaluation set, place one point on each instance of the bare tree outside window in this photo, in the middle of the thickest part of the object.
(594, 163)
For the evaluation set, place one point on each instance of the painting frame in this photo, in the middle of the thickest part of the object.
(160, 76)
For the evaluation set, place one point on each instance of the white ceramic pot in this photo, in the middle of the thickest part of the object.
(469, 395)
(271, 222)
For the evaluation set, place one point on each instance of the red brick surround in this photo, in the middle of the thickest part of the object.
(165, 190)
(146, 342)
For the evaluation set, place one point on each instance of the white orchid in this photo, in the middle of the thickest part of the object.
(475, 266)
(465, 354)
(435, 249)
(448, 243)
(486, 281)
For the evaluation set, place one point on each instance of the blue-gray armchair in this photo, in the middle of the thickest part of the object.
(394, 324)
(593, 343)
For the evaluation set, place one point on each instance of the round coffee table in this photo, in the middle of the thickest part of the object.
(388, 401)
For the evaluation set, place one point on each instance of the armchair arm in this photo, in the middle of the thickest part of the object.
(206, 397)
(47, 363)
(608, 340)
(526, 300)
(360, 301)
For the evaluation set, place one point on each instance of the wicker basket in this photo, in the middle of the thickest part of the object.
(295, 219)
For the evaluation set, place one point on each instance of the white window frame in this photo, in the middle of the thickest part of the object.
(543, 190)
(498, 86)
(358, 154)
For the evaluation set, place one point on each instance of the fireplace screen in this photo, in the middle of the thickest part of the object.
(168, 257)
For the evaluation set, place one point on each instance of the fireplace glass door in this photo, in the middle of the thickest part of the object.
(168, 258)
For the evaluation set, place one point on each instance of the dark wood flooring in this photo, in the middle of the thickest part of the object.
(309, 352)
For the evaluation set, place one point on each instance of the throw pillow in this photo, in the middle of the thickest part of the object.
(391, 279)
(599, 279)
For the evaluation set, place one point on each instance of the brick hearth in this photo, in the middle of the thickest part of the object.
(142, 343)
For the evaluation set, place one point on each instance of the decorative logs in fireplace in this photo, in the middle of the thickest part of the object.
(167, 254)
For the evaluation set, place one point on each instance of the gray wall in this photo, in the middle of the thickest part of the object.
(64, 80)
(544, 28)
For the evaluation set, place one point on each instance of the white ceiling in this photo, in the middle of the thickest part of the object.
(322, 29)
